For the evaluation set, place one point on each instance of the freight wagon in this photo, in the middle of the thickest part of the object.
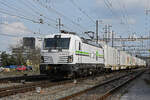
(116, 59)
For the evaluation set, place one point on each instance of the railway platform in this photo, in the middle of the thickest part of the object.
(138, 89)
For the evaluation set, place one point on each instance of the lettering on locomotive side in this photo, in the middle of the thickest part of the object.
(92, 55)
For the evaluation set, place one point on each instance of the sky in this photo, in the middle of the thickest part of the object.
(19, 18)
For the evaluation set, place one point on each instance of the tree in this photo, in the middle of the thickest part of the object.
(34, 56)
(18, 54)
(4, 58)
(7, 59)
(23, 53)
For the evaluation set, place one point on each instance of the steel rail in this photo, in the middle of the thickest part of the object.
(28, 87)
(96, 86)
(19, 78)
(12, 90)
(111, 91)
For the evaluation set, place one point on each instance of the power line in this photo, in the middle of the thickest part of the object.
(79, 8)
(54, 10)
(28, 3)
(108, 6)
(7, 12)
(22, 17)
(31, 7)
(40, 21)
(51, 25)
(14, 8)
(8, 35)
(127, 17)
(123, 11)
(109, 3)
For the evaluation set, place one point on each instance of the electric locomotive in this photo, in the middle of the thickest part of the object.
(68, 55)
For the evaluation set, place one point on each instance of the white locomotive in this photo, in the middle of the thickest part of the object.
(69, 55)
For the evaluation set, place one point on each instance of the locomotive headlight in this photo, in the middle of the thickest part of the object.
(70, 59)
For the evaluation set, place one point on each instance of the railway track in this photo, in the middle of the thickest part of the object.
(12, 90)
(25, 78)
(63, 88)
(103, 90)
(7, 91)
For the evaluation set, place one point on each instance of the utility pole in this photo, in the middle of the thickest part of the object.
(112, 38)
(59, 25)
(105, 34)
(0, 59)
(97, 31)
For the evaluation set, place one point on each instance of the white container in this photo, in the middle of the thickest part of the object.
(111, 57)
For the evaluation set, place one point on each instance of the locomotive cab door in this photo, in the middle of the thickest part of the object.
(78, 51)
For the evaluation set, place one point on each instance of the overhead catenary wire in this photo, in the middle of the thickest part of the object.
(123, 10)
(48, 17)
(36, 10)
(109, 6)
(8, 35)
(127, 17)
(147, 25)
(51, 25)
(39, 21)
(81, 10)
(13, 36)
(16, 9)
(58, 13)
(22, 17)
(109, 3)
(42, 13)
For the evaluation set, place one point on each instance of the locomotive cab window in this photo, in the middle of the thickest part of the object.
(54, 43)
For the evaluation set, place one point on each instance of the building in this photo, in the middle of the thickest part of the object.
(32, 42)
(29, 46)
(29, 42)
